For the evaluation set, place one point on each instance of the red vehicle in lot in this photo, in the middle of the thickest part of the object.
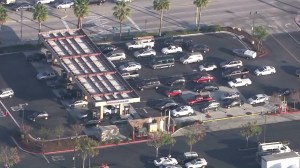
(203, 78)
(198, 99)
(173, 92)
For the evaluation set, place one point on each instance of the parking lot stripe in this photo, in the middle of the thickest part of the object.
(10, 115)
(145, 111)
(46, 158)
(65, 23)
(134, 24)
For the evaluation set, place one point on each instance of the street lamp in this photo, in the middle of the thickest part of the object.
(253, 14)
(21, 106)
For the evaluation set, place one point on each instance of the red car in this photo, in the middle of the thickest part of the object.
(173, 92)
(203, 78)
(199, 98)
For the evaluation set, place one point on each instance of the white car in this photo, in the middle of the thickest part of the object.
(208, 67)
(44, 1)
(130, 66)
(144, 53)
(182, 111)
(46, 75)
(265, 70)
(64, 5)
(171, 49)
(78, 103)
(196, 163)
(165, 161)
(239, 82)
(231, 64)
(7, 92)
(259, 98)
(233, 95)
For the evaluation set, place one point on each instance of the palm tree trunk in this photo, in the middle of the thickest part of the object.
(199, 18)
(40, 26)
(160, 23)
(156, 154)
(197, 11)
(170, 149)
(120, 29)
(89, 162)
(191, 148)
(78, 23)
(83, 163)
(247, 140)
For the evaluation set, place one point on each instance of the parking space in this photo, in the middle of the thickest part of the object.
(20, 75)
(221, 46)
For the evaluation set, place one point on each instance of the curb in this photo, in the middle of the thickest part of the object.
(233, 117)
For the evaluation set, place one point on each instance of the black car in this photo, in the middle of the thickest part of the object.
(59, 83)
(148, 84)
(192, 47)
(38, 115)
(35, 57)
(22, 6)
(235, 72)
(228, 103)
(206, 87)
(63, 95)
(174, 41)
(285, 92)
(176, 81)
(107, 48)
(165, 105)
(92, 123)
(98, 2)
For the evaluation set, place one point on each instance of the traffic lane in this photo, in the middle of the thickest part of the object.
(29, 90)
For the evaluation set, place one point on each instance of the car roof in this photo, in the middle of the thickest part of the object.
(261, 95)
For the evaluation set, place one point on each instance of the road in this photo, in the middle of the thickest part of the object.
(221, 149)
(277, 16)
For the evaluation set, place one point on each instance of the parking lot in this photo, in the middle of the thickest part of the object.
(221, 46)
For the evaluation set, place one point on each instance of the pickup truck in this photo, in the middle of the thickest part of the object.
(129, 74)
(235, 72)
(239, 82)
(140, 44)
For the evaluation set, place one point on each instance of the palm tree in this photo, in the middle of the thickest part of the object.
(261, 33)
(86, 147)
(81, 10)
(199, 5)
(3, 16)
(161, 6)
(121, 12)
(40, 13)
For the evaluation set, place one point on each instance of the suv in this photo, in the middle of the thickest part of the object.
(191, 58)
(174, 41)
(231, 64)
(8, 92)
(162, 62)
(212, 105)
(192, 47)
(148, 83)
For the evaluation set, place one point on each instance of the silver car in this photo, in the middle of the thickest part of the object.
(144, 53)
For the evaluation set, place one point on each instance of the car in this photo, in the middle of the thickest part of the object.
(265, 70)
(92, 123)
(130, 66)
(192, 47)
(6, 93)
(63, 95)
(187, 157)
(164, 105)
(129, 74)
(116, 55)
(228, 103)
(233, 95)
(172, 92)
(46, 75)
(108, 110)
(208, 67)
(206, 87)
(174, 41)
(38, 115)
(245, 53)
(117, 1)
(231, 64)
(165, 161)
(171, 49)
(22, 6)
(44, 1)
(203, 78)
(37, 57)
(148, 83)
(189, 58)
(297, 72)
(64, 5)
(196, 163)
(238, 82)
(182, 111)
(170, 166)
(285, 92)
(79, 103)
(176, 81)
(210, 105)
(147, 52)
(98, 2)
(107, 48)
(59, 83)
(198, 99)
(235, 72)
(259, 98)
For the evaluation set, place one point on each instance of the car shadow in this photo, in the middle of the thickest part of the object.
(290, 69)
(226, 50)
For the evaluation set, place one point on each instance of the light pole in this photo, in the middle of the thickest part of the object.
(265, 125)
(253, 14)
(21, 106)
(21, 24)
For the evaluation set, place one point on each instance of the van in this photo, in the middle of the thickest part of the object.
(5, 93)
(191, 58)
(162, 62)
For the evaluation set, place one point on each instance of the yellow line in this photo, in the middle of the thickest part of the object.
(228, 118)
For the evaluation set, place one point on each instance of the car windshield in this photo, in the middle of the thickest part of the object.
(254, 97)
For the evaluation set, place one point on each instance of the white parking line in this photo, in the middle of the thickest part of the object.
(134, 24)
(145, 111)
(65, 23)
(46, 159)
(10, 114)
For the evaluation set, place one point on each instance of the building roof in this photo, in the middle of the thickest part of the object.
(92, 71)
(280, 156)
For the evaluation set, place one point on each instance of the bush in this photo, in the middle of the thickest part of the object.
(212, 28)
